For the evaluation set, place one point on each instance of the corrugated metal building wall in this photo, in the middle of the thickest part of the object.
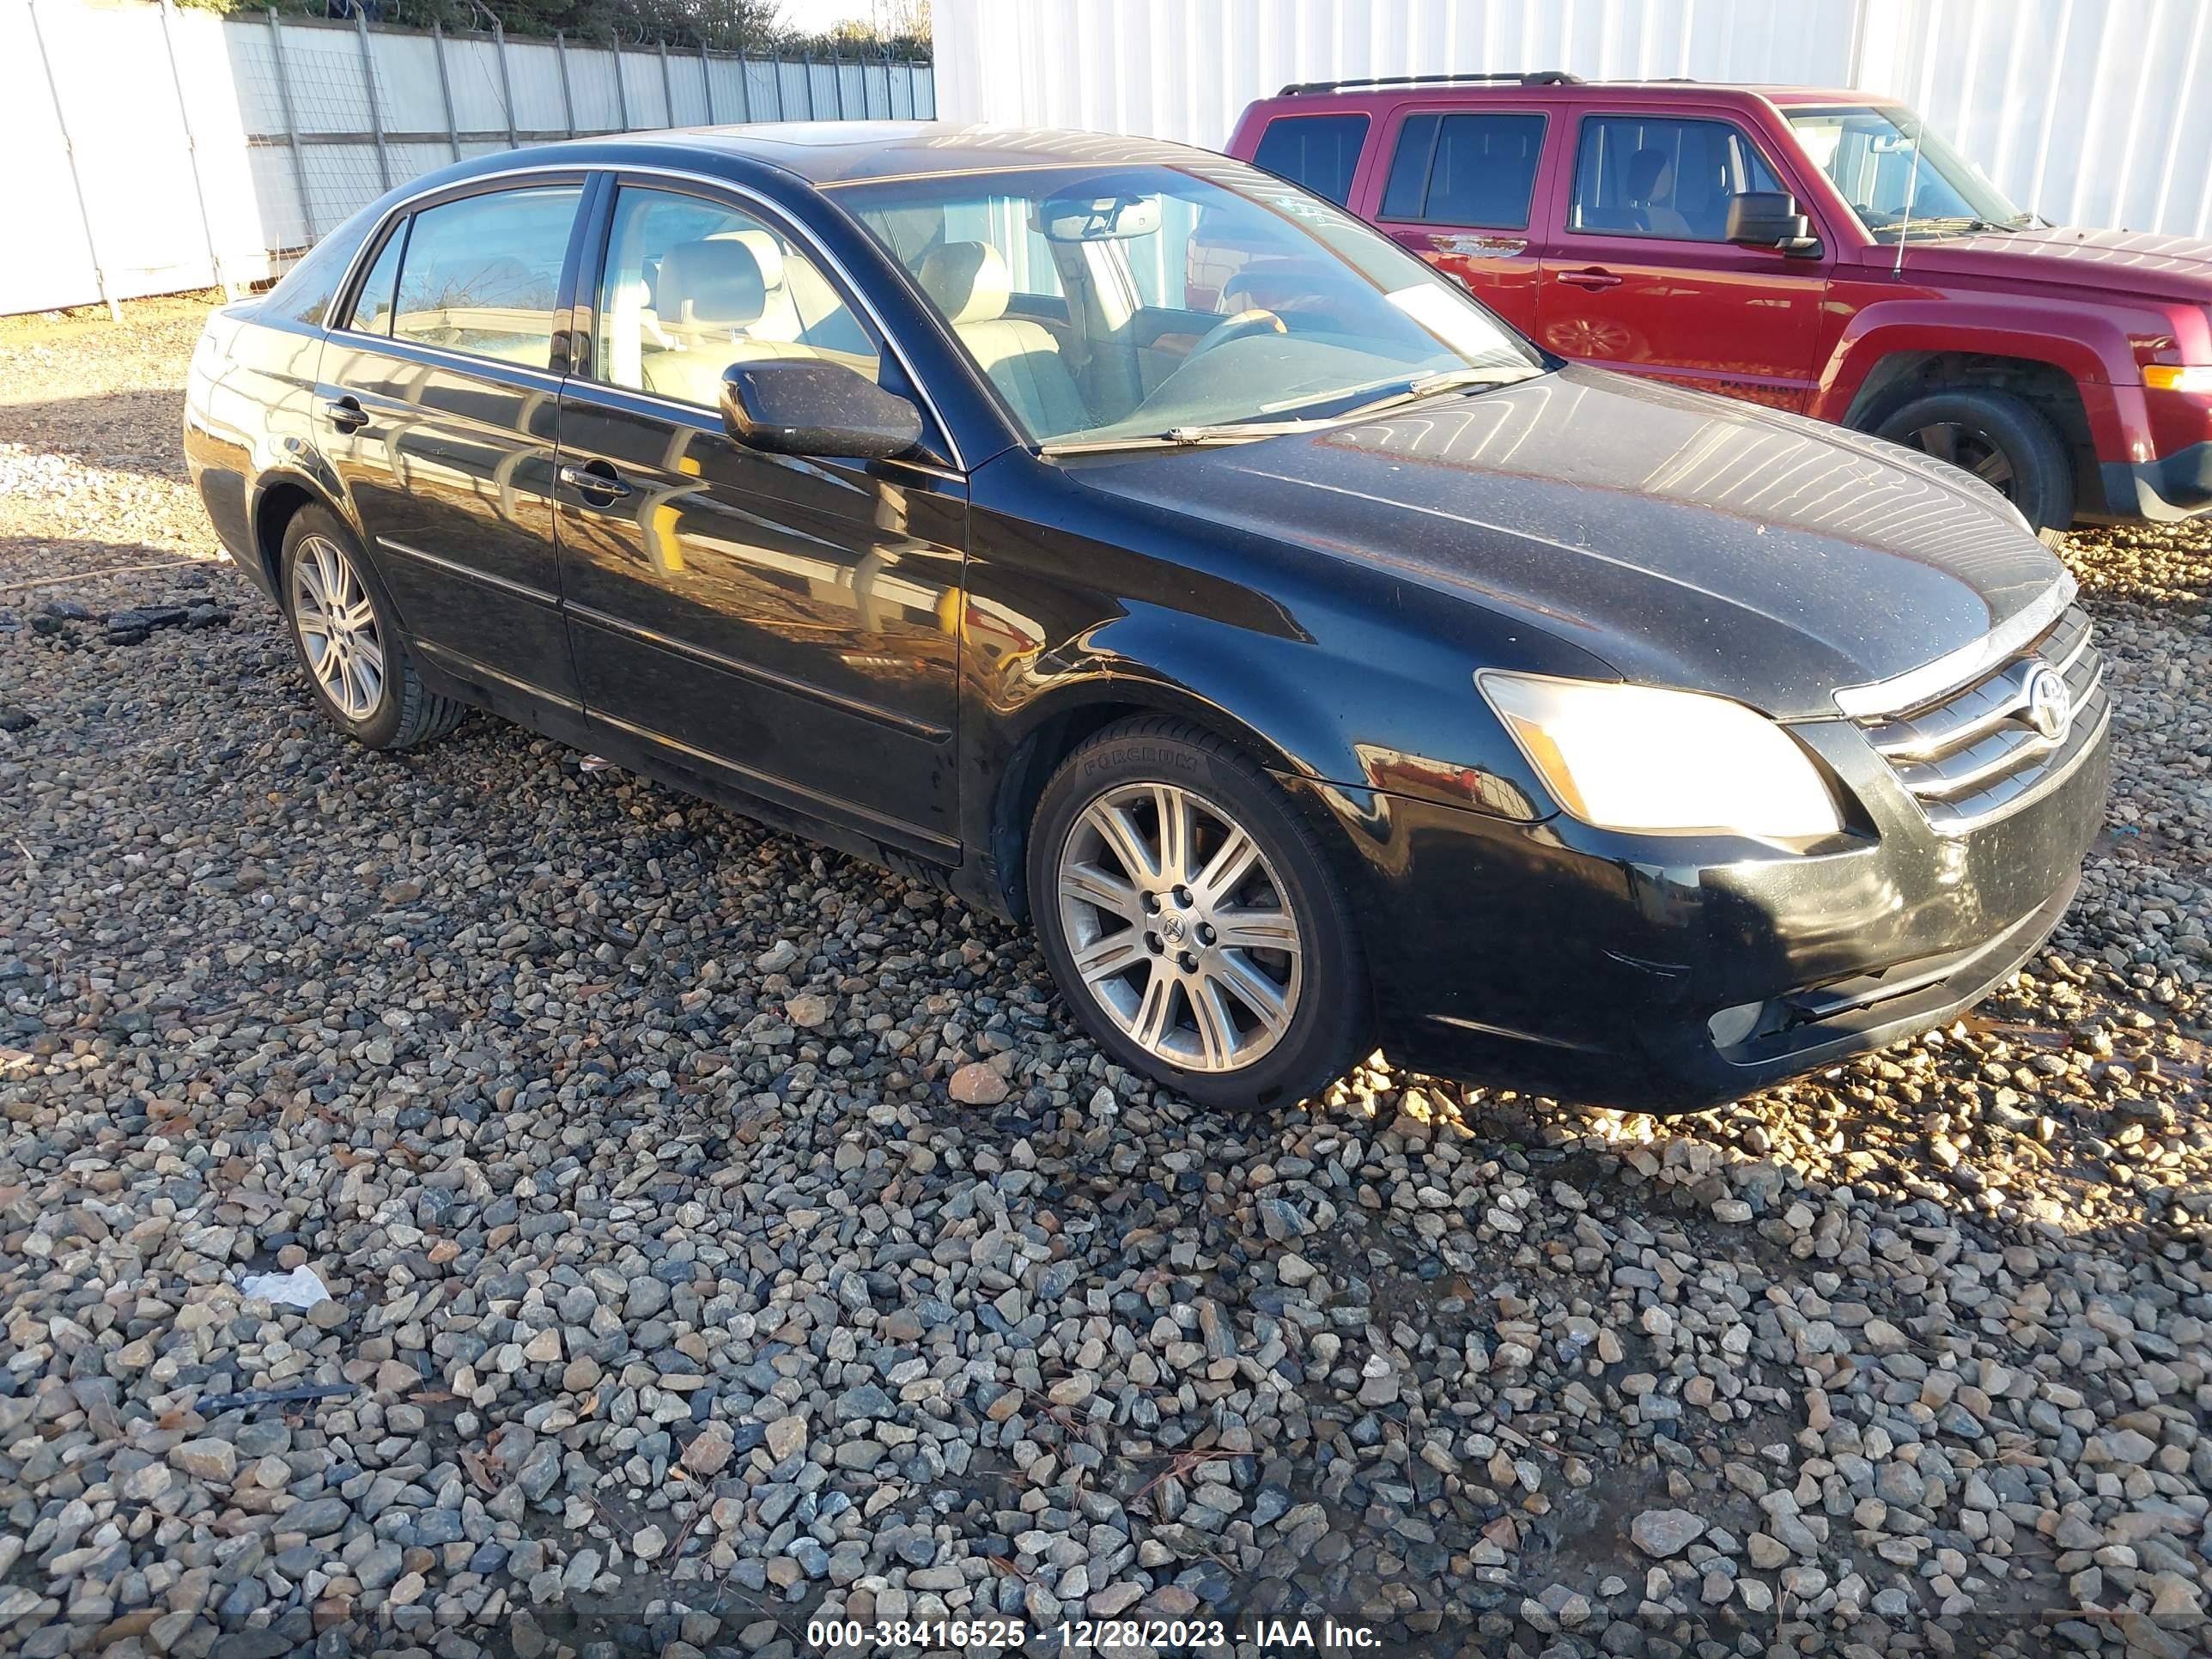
(2092, 112)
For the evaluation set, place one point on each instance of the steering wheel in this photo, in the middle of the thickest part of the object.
(1257, 319)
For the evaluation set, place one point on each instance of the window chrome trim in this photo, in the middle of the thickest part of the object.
(1903, 692)
(355, 269)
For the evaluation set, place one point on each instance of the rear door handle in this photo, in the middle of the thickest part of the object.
(1592, 278)
(597, 482)
(346, 414)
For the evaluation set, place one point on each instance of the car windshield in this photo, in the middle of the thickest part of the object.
(1204, 303)
(1899, 175)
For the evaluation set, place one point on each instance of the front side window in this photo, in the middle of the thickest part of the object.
(1474, 170)
(1895, 171)
(1636, 176)
(1072, 291)
(692, 286)
(372, 307)
(483, 274)
(1321, 152)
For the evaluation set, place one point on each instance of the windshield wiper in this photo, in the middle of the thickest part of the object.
(1443, 379)
(1957, 223)
(1226, 432)
(1181, 437)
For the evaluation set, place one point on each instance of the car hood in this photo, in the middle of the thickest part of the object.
(2112, 262)
(1683, 540)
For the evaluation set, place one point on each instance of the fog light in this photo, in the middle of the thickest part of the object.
(1733, 1025)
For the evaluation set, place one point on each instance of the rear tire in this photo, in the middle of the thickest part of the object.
(359, 661)
(2000, 439)
(1192, 920)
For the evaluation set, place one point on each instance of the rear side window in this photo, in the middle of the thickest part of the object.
(372, 307)
(1477, 170)
(1321, 152)
(481, 275)
(1638, 177)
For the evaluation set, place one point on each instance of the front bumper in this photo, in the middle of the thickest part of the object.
(1583, 964)
(2166, 491)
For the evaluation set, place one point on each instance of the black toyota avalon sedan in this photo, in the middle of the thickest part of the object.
(1143, 547)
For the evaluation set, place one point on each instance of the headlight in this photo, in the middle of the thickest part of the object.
(1665, 762)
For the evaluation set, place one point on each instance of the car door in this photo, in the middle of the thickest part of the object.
(789, 622)
(1460, 191)
(437, 408)
(1640, 276)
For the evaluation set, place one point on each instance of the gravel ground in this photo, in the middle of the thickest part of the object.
(719, 1232)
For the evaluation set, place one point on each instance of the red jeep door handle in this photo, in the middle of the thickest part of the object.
(1595, 276)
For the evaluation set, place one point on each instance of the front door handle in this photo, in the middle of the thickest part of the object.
(1595, 277)
(596, 482)
(346, 414)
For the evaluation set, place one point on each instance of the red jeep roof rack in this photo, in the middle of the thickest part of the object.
(1529, 78)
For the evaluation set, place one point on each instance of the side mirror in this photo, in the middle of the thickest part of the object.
(1769, 218)
(809, 406)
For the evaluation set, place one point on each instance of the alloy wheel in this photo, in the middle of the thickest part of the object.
(1964, 447)
(338, 628)
(1180, 927)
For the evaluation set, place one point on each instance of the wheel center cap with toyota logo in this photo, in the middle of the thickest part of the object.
(2050, 704)
(1171, 930)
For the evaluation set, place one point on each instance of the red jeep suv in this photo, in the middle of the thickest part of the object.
(1820, 252)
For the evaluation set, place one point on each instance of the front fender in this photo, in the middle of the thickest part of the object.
(2092, 350)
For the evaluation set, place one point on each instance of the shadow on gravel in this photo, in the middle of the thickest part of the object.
(138, 432)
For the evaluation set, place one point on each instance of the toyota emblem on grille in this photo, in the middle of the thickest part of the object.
(2050, 704)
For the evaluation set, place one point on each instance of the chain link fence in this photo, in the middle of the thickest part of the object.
(183, 150)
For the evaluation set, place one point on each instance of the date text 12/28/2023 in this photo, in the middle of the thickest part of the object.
(1086, 1635)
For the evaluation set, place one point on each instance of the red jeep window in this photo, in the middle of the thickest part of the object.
(1321, 152)
(1476, 170)
(1636, 176)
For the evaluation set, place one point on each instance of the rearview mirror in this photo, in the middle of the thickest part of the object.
(1096, 218)
(808, 406)
(1769, 218)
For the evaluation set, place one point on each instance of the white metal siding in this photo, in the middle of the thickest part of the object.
(143, 101)
(2091, 111)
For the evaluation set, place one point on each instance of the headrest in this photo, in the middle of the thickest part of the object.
(768, 254)
(1645, 169)
(966, 281)
(714, 281)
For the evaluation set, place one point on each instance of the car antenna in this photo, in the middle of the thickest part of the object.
(1904, 225)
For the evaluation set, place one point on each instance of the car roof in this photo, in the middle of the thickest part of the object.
(829, 153)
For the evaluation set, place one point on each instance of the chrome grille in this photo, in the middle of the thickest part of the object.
(1970, 756)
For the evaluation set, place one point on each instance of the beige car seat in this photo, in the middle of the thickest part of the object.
(711, 296)
(968, 281)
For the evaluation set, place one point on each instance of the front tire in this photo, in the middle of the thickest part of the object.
(346, 634)
(2000, 439)
(1191, 919)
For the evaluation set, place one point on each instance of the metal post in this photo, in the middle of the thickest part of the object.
(667, 87)
(506, 86)
(837, 80)
(192, 152)
(621, 93)
(291, 126)
(809, 61)
(744, 88)
(369, 86)
(567, 99)
(707, 82)
(444, 87)
(76, 179)
(777, 59)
